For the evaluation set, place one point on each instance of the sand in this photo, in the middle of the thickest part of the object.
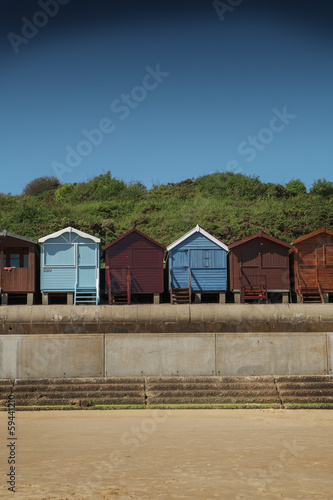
(170, 454)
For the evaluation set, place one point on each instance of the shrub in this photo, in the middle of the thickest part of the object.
(295, 187)
(322, 187)
(41, 185)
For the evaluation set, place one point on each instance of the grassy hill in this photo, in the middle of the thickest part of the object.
(228, 205)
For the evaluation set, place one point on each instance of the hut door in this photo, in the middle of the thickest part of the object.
(308, 269)
(180, 269)
(249, 269)
(86, 265)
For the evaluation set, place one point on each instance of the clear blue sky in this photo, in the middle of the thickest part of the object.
(179, 90)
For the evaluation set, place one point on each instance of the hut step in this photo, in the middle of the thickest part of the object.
(86, 297)
(181, 295)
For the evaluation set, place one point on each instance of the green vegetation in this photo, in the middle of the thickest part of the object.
(228, 205)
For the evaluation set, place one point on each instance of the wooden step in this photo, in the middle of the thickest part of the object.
(181, 295)
(119, 298)
(311, 296)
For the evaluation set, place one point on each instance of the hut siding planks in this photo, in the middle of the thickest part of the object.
(20, 279)
(263, 257)
(318, 249)
(142, 257)
(67, 261)
(206, 261)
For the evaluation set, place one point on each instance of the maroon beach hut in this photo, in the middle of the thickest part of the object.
(133, 265)
(259, 269)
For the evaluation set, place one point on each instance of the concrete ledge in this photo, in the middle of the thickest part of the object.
(166, 318)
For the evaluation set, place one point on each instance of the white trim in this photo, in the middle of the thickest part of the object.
(197, 229)
(69, 230)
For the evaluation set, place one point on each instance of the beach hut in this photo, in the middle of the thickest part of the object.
(70, 265)
(312, 266)
(259, 269)
(197, 264)
(19, 267)
(133, 265)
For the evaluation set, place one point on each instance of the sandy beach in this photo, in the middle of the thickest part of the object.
(170, 454)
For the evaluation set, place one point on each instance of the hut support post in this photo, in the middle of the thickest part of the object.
(326, 297)
(197, 298)
(222, 297)
(237, 298)
(285, 297)
(45, 298)
(156, 298)
(30, 299)
(70, 298)
(4, 299)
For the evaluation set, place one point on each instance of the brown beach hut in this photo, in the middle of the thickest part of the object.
(133, 265)
(259, 269)
(312, 266)
(19, 266)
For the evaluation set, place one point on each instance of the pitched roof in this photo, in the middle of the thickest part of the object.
(69, 230)
(260, 234)
(23, 238)
(314, 233)
(134, 230)
(197, 229)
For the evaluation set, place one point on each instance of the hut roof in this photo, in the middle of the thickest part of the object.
(314, 233)
(134, 230)
(23, 238)
(260, 234)
(69, 230)
(197, 229)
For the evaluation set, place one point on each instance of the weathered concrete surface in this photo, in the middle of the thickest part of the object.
(159, 354)
(211, 390)
(329, 338)
(33, 356)
(273, 353)
(305, 389)
(80, 391)
(166, 318)
(278, 391)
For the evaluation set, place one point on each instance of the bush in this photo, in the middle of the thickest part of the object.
(322, 187)
(295, 187)
(41, 185)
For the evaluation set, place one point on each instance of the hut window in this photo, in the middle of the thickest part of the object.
(18, 257)
(25, 258)
(59, 254)
(15, 259)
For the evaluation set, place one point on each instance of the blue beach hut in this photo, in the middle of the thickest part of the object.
(197, 263)
(70, 265)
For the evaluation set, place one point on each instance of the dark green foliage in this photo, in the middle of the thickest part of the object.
(228, 205)
(322, 187)
(41, 185)
(295, 187)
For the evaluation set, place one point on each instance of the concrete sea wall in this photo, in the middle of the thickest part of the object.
(164, 340)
